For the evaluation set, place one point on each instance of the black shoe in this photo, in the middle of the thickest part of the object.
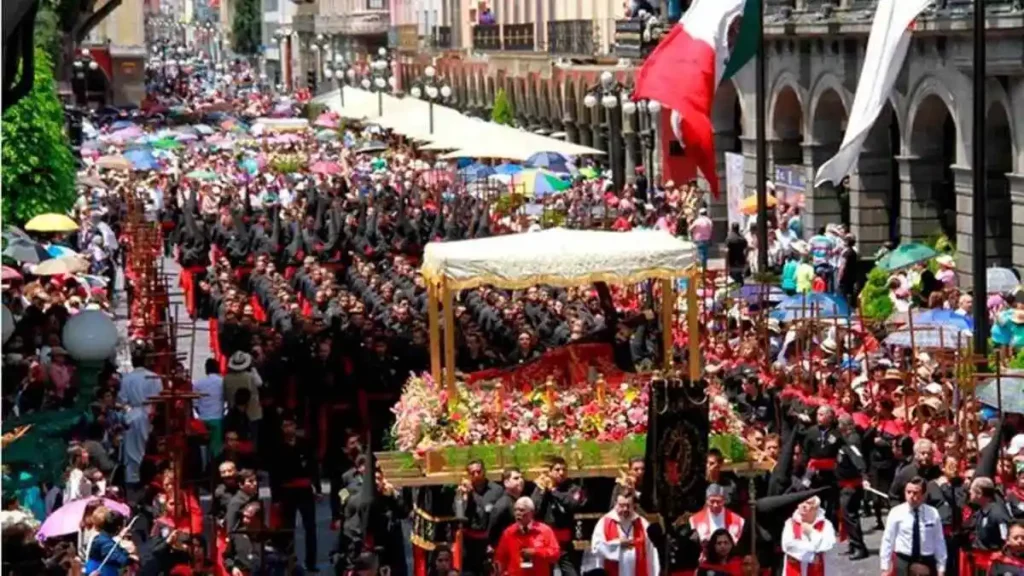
(859, 555)
(846, 552)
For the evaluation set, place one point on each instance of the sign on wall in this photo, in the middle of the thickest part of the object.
(791, 184)
(735, 191)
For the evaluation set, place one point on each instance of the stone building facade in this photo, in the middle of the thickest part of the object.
(913, 180)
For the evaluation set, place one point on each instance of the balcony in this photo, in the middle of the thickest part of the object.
(487, 37)
(571, 37)
(518, 38)
(442, 37)
(629, 40)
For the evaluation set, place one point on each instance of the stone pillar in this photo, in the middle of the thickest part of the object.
(584, 134)
(964, 185)
(1016, 182)
(600, 142)
(870, 201)
(918, 211)
(571, 134)
(654, 172)
(629, 142)
(822, 202)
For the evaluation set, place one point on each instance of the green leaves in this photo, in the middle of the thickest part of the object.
(874, 299)
(502, 112)
(245, 28)
(37, 172)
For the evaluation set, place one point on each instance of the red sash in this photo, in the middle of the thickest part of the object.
(817, 566)
(611, 532)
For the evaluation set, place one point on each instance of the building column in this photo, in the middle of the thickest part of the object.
(600, 141)
(571, 134)
(584, 134)
(630, 146)
(869, 201)
(1016, 182)
(821, 202)
(918, 211)
(964, 185)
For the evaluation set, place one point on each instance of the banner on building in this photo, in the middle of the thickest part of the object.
(791, 184)
(735, 191)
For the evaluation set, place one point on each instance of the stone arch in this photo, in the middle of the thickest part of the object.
(931, 140)
(786, 123)
(997, 96)
(828, 88)
(786, 92)
(829, 202)
(999, 156)
(924, 94)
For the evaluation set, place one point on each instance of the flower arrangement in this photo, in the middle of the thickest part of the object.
(491, 412)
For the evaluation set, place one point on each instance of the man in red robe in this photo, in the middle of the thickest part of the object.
(715, 515)
(528, 547)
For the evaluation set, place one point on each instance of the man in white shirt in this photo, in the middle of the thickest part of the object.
(209, 407)
(620, 544)
(807, 540)
(140, 384)
(913, 536)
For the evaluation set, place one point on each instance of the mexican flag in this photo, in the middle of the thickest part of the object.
(712, 41)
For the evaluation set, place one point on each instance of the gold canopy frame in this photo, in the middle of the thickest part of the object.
(563, 258)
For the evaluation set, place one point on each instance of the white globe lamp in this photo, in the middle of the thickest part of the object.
(609, 101)
(90, 336)
(432, 92)
(366, 83)
(590, 100)
(446, 91)
(416, 92)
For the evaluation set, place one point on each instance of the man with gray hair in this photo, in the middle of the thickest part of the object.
(922, 465)
(527, 547)
(714, 515)
(988, 526)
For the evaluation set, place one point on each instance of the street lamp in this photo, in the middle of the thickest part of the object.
(431, 88)
(610, 94)
(283, 37)
(380, 80)
(84, 63)
(342, 72)
(651, 109)
(320, 45)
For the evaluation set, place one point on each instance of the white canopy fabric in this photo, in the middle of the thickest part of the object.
(558, 257)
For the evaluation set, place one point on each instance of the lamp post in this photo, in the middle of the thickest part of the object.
(649, 109)
(610, 94)
(431, 88)
(83, 64)
(342, 72)
(321, 46)
(380, 79)
(284, 38)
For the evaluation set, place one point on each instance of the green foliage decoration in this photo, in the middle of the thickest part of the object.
(502, 112)
(245, 27)
(38, 169)
(874, 299)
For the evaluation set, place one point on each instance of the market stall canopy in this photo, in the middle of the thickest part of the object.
(558, 257)
(359, 104)
(474, 138)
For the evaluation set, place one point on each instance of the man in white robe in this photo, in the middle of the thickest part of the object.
(807, 541)
(620, 544)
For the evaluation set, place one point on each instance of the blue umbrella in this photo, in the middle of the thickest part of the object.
(58, 251)
(463, 162)
(1012, 392)
(761, 292)
(250, 165)
(141, 159)
(121, 125)
(508, 169)
(476, 172)
(552, 161)
(813, 305)
(936, 337)
(942, 317)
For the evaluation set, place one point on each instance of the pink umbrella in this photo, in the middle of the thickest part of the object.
(323, 167)
(66, 519)
(10, 274)
(325, 120)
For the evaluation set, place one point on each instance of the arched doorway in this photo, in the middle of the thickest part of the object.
(875, 186)
(999, 213)
(787, 130)
(828, 124)
(933, 148)
(727, 120)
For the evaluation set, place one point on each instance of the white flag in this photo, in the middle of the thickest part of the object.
(883, 61)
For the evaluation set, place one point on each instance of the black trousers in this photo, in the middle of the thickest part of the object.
(569, 560)
(850, 500)
(474, 555)
(300, 500)
(904, 562)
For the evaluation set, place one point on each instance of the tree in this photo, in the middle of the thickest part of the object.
(874, 298)
(245, 28)
(38, 170)
(502, 112)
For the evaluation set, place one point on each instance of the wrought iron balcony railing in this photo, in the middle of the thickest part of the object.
(518, 37)
(571, 37)
(442, 37)
(487, 37)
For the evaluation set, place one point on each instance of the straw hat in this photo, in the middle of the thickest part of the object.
(893, 374)
(774, 326)
(828, 346)
(801, 247)
(239, 362)
(945, 261)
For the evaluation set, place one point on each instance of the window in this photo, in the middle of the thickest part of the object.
(374, 4)
(270, 5)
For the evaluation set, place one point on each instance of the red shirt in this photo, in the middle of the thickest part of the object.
(539, 537)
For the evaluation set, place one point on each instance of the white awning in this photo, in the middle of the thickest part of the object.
(559, 257)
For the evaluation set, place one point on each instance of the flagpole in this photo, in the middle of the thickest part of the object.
(979, 201)
(762, 147)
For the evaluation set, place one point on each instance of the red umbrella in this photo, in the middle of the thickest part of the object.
(10, 274)
(323, 167)
(436, 176)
